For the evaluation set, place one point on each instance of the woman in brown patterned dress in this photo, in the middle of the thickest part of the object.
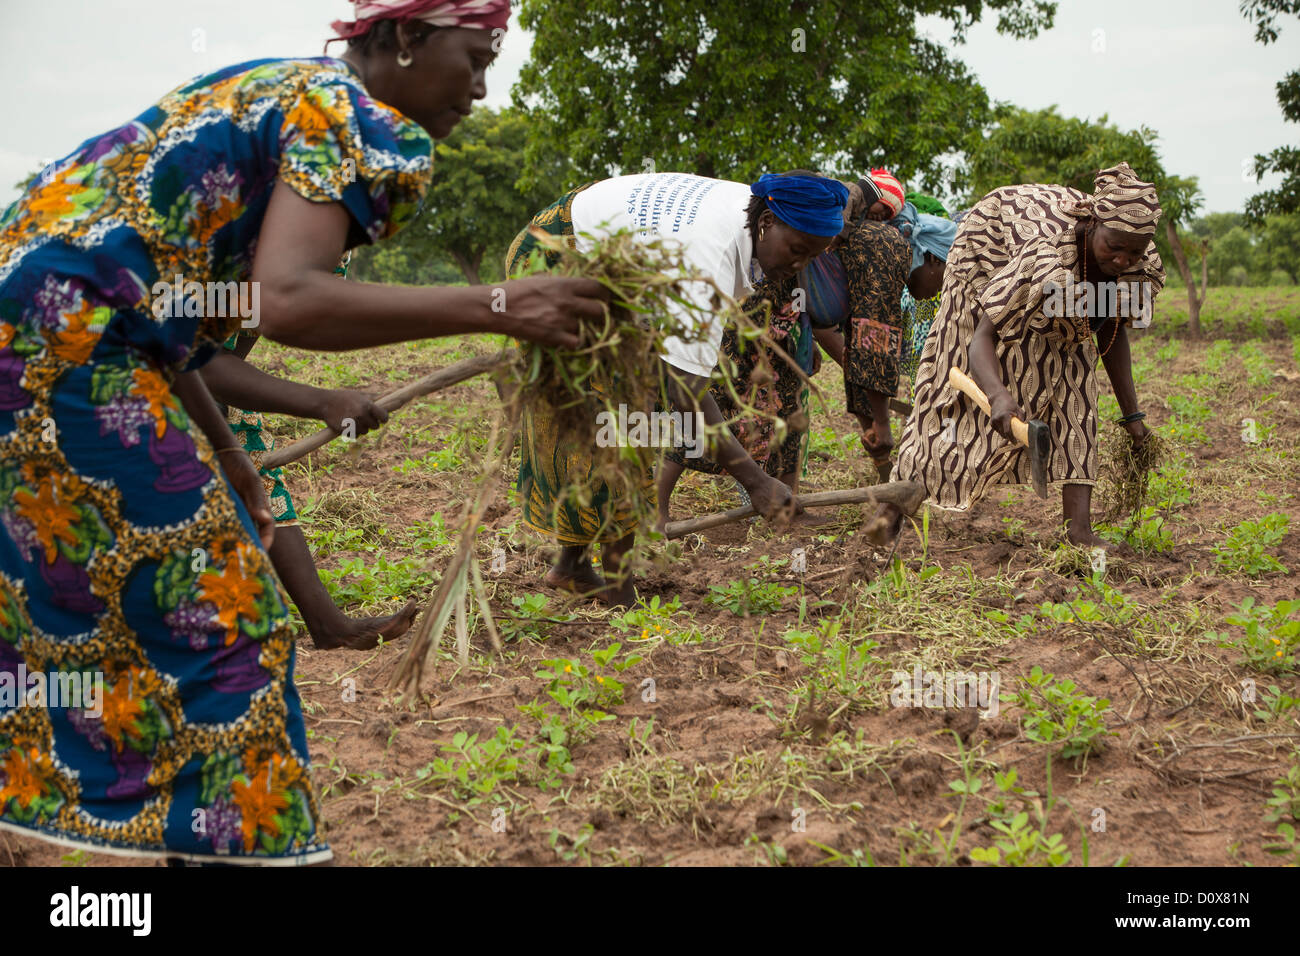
(878, 263)
(1041, 281)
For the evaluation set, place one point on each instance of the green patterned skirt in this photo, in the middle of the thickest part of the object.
(558, 491)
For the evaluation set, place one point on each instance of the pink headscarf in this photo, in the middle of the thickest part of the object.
(472, 14)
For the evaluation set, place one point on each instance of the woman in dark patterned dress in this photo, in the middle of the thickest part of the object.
(874, 263)
(781, 395)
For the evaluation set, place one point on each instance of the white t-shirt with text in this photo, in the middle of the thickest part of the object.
(707, 216)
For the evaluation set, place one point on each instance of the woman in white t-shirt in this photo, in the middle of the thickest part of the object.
(733, 234)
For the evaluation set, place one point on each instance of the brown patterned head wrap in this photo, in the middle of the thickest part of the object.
(1122, 201)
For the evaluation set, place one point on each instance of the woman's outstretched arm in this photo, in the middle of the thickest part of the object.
(301, 303)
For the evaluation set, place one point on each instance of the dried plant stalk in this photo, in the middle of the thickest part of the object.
(616, 364)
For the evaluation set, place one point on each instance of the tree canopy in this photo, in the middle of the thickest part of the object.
(733, 89)
(1284, 160)
(474, 207)
(1042, 146)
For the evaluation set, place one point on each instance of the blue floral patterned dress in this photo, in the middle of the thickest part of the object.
(127, 563)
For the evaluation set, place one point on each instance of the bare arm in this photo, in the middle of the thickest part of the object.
(233, 381)
(301, 302)
(1118, 361)
(203, 412)
(832, 340)
(691, 393)
(986, 370)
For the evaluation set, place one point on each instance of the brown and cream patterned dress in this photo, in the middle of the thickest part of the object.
(1014, 242)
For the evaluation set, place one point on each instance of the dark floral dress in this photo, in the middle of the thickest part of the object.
(785, 397)
(877, 261)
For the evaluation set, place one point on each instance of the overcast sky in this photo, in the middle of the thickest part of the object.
(1187, 68)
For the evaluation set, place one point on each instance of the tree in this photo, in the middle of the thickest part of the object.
(735, 88)
(1280, 247)
(1284, 160)
(1234, 256)
(475, 206)
(1028, 146)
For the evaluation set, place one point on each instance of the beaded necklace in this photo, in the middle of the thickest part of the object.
(1092, 298)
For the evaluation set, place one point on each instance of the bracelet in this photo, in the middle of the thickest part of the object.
(1130, 419)
(236, 448)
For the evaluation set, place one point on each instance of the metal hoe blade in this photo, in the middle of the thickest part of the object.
(1040, 450)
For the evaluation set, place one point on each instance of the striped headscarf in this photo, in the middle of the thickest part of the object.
(1122, 201)
(471, 14)
(880, 185)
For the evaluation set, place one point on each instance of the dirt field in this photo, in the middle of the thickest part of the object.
(772, 737)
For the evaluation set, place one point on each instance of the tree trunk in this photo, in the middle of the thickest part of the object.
(1193, 303)
(1205, 273)
(469, 265)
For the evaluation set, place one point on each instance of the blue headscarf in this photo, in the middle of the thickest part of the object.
(811, 204)
(925, 233)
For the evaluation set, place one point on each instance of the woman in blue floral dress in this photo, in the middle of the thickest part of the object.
(134, 529)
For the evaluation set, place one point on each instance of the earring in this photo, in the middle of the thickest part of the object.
(760, 235)
(404, 59)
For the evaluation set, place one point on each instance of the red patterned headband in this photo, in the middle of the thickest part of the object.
(472, 14)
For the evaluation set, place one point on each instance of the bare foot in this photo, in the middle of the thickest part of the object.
(885, 526)
(581, 580)
(363, 633)
(1090, 540)
(809, 519)
(616, 595)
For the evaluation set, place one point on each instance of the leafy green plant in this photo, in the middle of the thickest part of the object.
(1054, 713)
(1246, 549)
(1022, 845)
(772, 851)
(652, 619)
(1096, 602)
(1216, 356)
(1271, 635)
(1276, 704)
(1021, 818)
(474, 770)
(577, 850)
(1186, 433)
(581, 696)
(531, 619)
(1146, 531)
(838, 664)
(431, 534)
(1190, 408)
(326, 541)
(1171, 487)
(854, 857)
(1284, 811)
(607, 658)
(573, 685)
(439, 460)
(1259, 368)
(750, 596)
(353, 582)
